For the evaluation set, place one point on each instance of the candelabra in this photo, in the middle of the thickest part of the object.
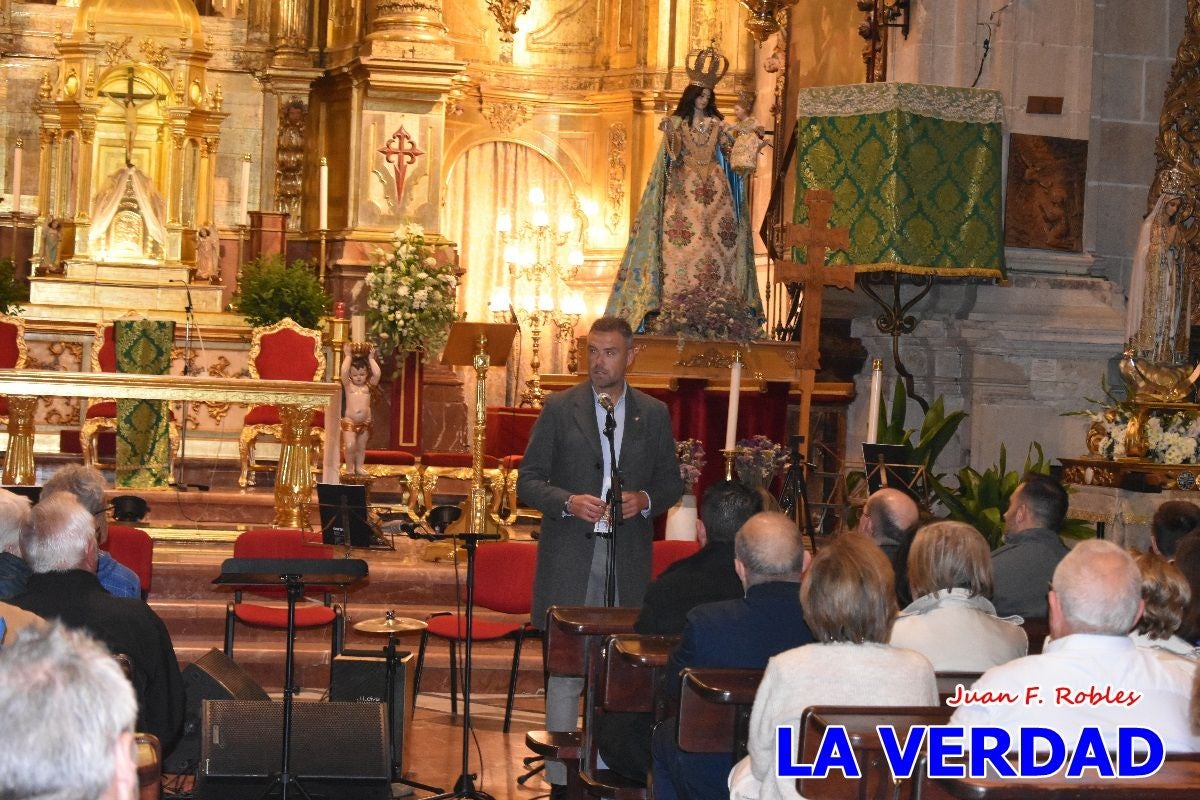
(531, 252)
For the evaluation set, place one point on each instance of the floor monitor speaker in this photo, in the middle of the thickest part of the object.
(213, 676)
(361, 676)
(337, 749)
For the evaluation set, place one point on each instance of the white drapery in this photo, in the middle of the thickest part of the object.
(150, 203)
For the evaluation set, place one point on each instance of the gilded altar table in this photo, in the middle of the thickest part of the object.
(293, 485)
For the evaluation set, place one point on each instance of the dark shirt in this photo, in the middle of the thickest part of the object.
(1022, 569)
(706, 576)
(14, 572)
(125, 625)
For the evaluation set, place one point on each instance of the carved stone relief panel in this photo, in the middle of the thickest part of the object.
(289, 159)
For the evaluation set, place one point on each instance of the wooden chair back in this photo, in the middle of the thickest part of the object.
(714, 710)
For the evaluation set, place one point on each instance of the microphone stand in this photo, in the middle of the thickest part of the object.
(615, 491)
(188, 321)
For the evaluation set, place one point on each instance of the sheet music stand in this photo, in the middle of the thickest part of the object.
(293, 573)
(343, 511)
(890, 466)
(463, 343)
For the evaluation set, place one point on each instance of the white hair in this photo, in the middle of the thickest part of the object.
(86, 483)
(14, 513)
(60, 534)
(1099, 587)
(65, 704)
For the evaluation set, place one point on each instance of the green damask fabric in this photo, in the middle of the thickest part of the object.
(915, 173)
(143, 443)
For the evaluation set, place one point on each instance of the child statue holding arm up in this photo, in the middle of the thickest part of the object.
(360, 372)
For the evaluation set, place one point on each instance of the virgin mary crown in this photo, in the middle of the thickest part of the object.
(706, 67)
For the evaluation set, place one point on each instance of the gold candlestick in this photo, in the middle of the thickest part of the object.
(729, 456)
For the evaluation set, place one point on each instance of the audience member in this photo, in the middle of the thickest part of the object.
(888, 517)
(1022, 566)
(87, 485)
(68, 716)
(1165, 594)
(743, 633)
(16, 620)
(1095, 600)
(14, 510)
(707, 575)
(1172, 521)
(1187, 561)
(849, 602)
(60, 545)
(952, 622)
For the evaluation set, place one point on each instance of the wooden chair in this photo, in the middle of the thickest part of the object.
(624, 678)
(503, 582)
(714, 710)
(279, 543)
(283, 351)
(1177, 779)
(134, 548)
(398, 464)
(14, 354)
(948, 683)
(1036, 629)
(101, 414)
(148, 755)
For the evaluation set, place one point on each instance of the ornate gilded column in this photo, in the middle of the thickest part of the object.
(18, 460)
(289, 33)
(293, 476)
(408, 20)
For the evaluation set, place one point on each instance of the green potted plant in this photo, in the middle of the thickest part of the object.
(270, 289)
(13, 291)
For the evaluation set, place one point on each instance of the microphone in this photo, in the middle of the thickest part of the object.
(606, 402)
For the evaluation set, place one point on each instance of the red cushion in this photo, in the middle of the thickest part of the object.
(287, 356)
(455, 627)
(394, 458)
(269, 415)
(511, 462)
(455, 458)
(108, 351)
(134, 548)
(9, 353)
(307, 616)
(106, 409)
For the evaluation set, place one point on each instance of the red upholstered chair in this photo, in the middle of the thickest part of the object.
(437, 464)
(666, 552)
(280, 352)
(279, 543)
(134, 548)
(13, 353)
(503, 582)
(101, 415)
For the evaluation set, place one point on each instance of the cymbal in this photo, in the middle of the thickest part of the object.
(391, 625)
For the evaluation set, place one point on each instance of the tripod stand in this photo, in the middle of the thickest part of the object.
(293, 574)
(793, 496)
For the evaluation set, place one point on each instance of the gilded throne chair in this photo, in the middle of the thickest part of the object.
(13, 353)
(101, 414)
(280, 352)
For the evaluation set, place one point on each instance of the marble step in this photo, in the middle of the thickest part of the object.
(129, 294)
(91, 271)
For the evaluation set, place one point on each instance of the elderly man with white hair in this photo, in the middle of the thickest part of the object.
(1091, 674)
(68, 716)
(87, 486)
(14, 510)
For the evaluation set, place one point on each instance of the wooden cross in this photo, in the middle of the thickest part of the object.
(400, 150)
(816, 238)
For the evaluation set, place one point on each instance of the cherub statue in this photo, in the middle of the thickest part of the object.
(208, 249)
(747, 136)
(360, 372)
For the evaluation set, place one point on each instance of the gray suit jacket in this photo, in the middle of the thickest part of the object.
(564, 458)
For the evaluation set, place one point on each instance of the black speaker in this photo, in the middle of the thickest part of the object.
(337, 749)
(213, 676)
(360, 676)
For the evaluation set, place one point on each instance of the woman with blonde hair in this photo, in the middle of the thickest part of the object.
(849, 603)
(952, 621)
(1165, 595)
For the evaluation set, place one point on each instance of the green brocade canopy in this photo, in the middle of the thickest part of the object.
(915, 174)
(143, 426)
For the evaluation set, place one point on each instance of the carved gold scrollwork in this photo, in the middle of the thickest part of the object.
(116, 52)
(617, 140)
(507, 117)
(153, 53)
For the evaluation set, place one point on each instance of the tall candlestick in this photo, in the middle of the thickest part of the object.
(735, 393)
(245, 201)
(358, 328)
(323, 222)
(873, 402)
(16, 189)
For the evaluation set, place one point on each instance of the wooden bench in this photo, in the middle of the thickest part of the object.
(623, 679)
(714, 710)
(877, 782)
(948, 683)
(1178, 778)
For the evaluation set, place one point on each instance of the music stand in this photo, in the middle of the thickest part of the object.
(343, 510)
(463, 343)
(293, 574)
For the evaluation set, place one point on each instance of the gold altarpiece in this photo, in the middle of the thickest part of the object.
(131, 89)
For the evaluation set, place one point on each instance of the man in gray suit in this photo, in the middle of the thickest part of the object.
(565, 474)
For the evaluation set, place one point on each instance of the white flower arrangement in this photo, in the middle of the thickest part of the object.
(410, 296)
(1171, 437)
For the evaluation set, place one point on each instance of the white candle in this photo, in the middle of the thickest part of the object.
(323, 223)
(873, 402)
(16, 189)
(358, 328)
(245, 202)
(735, 393)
